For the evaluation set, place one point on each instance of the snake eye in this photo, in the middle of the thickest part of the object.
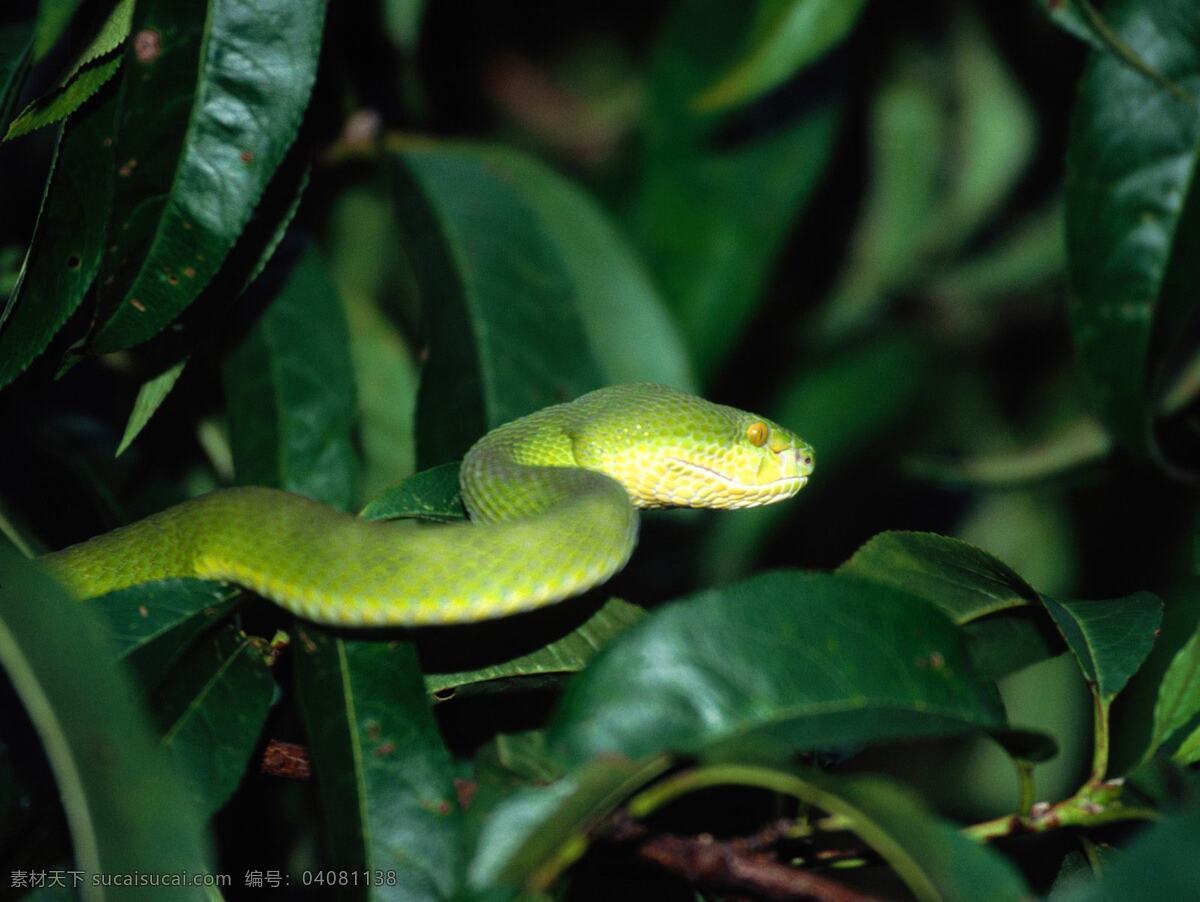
(757, 433)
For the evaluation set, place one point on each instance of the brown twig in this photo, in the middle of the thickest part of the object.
(286, 759)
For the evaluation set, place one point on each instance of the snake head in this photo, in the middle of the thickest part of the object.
(672, 449)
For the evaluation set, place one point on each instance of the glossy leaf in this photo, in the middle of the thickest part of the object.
(429, 495)
(200, 135)
(1077, 445)
(290, 392)
(64, 254)
(126, 807)
(1127, 249)
(779, 663)
(965, 582)
(565, 655)
(786, 36)
(153, 623)
(711, 216)
(629, 330)
(1178, 698)
(383, 776)
(212, 709)
(149, 397)
(1110, 638)
(504, 335)
(96, 65)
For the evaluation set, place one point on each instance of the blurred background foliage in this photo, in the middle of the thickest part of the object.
(853, 217)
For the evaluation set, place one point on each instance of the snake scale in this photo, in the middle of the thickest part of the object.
(552, 499)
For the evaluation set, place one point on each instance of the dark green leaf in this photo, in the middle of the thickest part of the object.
(96, 65)
(1130, 265)
(429, 495)
(126, 808)
(787, 36)
(1079, 444)
(630, 332)
(290, 392)
(965, 582)
(53, 18)
(16, 48)
(1109, 638)
(781, 662)
(68, 240)
(710, 216)
(882, 381)
(1178, 699)
(1005, 643)
(151, 624)
(383, 775)
(504, 336)
(212, 709)
(201, 133)
(566, 655)
(535, 833)
(1159, 864)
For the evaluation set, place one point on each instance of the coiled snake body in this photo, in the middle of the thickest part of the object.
(552, 498)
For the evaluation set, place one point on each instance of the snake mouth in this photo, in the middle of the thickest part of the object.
(785, 481)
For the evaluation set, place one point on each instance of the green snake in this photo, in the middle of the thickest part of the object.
(552, 499)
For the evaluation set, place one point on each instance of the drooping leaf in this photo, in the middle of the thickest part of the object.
(787, 35)
(535, 833)
(1128, 249)
(153, 623)
(429, 495)
(965, 582)
(383, 776)
(709, 215)
(1110, 638)
(212, 709)
(1178, 698)
(1079, 444)
(200, 135)
(126, 807)
(290, 392)
(566, 655)
(778, 663)
(150, 396)
(504, 336)
(881, 380)
(64, 254)
(629, 330)
(95, 65)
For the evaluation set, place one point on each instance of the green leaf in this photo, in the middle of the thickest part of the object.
(53, 18)
(200, 135)
(567, 654)
(504, 336)
(1109, 638)
(710, 216)
(881, 380)
(535, 833)
(290, 392)
(126, 808)
(965, 582)
(1079, 444)
(383, 776)
(153, 623)
(1159, 864)
(1178, 700)
(630, 332)
(68, 239)
(16, 48)
(787, 35)
(1130, 266)
(429, 495)
(779, 663)
(96, 65)
(149, 397)
(212, 709)
(1003, 644)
